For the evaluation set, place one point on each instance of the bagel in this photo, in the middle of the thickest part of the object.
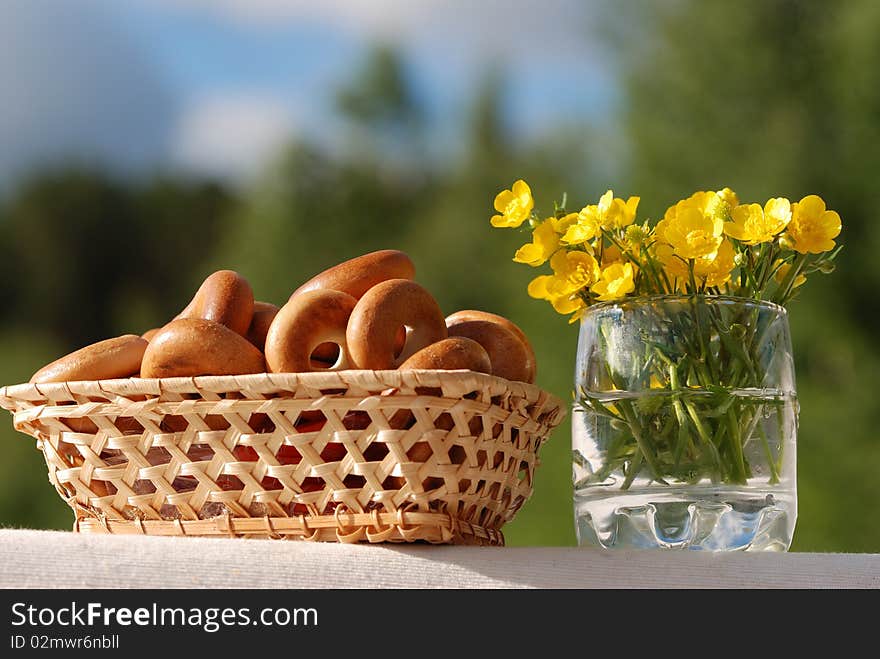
(531, 363)
(119, 357)
(450, 354)
(358, 275)
(378, 316)
(305, 322)
(225, 297)
(195, 346)
(511, 358)
(326, 354)
(264, 314)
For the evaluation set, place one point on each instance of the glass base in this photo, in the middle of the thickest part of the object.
(710, 518)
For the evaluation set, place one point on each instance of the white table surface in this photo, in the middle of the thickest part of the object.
(55, 559)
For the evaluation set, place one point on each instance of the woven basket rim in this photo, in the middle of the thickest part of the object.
(11, 395)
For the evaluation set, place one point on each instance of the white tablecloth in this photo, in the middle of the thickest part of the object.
(52, 559)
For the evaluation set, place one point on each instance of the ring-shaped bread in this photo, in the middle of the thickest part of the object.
(378, 316)
(305, 322)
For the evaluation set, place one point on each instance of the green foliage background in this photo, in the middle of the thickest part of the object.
(776, 97)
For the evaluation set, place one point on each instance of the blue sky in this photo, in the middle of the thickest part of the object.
(212, 87)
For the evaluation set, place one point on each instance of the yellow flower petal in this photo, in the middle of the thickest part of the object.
(729, 197)
(538, 287)
(503, 199)
(522, 191)
(812, 206)
(632, 205)
(567, 304)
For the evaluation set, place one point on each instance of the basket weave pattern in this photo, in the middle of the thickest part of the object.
(348, 456)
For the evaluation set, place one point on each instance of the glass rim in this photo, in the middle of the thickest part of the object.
(645, 299)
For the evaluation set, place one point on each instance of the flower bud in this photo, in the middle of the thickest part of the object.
(739, 258)
(635, 234)
(826, 267)
(785, 242)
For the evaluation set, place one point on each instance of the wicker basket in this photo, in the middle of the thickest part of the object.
(348, 456)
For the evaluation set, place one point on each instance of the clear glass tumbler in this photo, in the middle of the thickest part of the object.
(684, 425)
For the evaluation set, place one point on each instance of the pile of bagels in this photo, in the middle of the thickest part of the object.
(365, 313)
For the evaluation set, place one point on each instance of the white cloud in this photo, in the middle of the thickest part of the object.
(232, 135)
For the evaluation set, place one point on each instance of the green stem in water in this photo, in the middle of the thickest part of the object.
(632, 420)
(774, 472)
(704, 436)
(736, 447)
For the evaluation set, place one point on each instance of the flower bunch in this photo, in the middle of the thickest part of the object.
(708, 244)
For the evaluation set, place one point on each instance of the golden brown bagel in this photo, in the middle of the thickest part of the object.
(450, 354)
(326, 354)
(509, 355)
(473, 314)
(264, 314)
(225, 297)
(195, 346)
(119, 357)
(150, 333)
(358, 275)
(379, 315)
(305, 322)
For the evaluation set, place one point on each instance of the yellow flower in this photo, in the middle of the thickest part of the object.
(545, 241)
(674, 266)
(585, 227)
(709, 271)
(782, 272)
(610, 213)
(515, 205)
(812, 229)
(777, 213)
(616, 213)
(572, 271)
(563, 223)
(752, 224)
(615, 282)
(539, 288)
(713, 204)
(716, 271)
(660, 228)
(694, 234)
